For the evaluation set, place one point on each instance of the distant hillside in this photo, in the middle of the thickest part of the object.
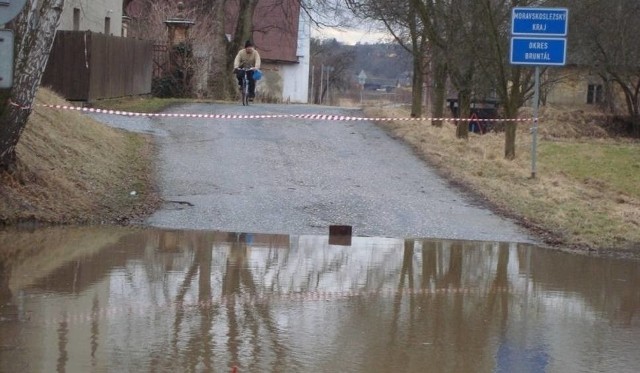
(388, 62)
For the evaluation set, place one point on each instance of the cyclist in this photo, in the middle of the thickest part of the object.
(246, 58)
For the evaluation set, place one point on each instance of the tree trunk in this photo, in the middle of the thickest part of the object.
(243, 32)
(35, 30)
(510, 111)
(243, 29)
(220, 80)
(416, 93)
(439, 91)
(464, 110)
(510, 141)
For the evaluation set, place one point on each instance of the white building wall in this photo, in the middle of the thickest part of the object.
(93, 15)
(295, 87)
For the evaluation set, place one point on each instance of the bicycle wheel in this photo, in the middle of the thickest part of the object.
(245, 92)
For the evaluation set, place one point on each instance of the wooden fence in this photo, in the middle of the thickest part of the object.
(86, 66)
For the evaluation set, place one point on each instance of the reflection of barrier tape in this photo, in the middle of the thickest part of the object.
(259, 299)
(326, 117)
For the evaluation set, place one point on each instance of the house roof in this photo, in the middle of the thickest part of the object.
(275, 28)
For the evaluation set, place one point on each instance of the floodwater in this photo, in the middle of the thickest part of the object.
(138, 299)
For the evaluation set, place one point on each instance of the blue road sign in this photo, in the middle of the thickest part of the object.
(538, 51)
(539, 21)
(9, 9)
(6, 58)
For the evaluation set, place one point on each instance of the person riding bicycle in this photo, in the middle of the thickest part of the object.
(246, 58)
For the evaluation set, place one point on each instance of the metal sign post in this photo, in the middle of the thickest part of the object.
(534, 130)
(539, 40)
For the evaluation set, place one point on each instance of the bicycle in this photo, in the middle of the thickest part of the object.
(244, 88)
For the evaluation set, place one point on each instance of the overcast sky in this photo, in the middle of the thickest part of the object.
(351, 36)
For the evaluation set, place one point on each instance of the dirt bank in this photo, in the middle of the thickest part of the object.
(74, 170)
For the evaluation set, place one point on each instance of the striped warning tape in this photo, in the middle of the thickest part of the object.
(327, 117)
(133, 309)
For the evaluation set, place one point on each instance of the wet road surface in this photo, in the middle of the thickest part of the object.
(298, 176)
(188, 296)
(108, 299)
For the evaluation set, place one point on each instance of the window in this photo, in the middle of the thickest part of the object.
(107, 25)
(594, 94)
(76, 19)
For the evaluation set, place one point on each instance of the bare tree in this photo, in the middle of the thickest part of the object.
(34, 30)
(513, 84)
(403, 22)
(467, 41)
(330, 53)
(457, 45)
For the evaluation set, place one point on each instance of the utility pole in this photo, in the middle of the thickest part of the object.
(312, 93)
(362, 78)
(321, 80)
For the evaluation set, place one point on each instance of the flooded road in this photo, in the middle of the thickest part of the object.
(298, 176)
(139, 299)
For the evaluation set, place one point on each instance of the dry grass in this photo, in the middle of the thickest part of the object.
(72, 169)
(141, 104)
(594, 212)
(586, 195)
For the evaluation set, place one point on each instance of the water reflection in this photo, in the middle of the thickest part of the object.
(109, 299)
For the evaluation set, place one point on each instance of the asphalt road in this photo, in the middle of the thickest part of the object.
(295, 176)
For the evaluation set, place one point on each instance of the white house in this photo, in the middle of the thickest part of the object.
(295, 78)
(100, 16)
(282, 35)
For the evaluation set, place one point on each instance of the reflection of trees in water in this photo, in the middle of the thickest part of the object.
(609, 286)
(245, 321)
(453, 322)
(200, 282)
(238, 279)
(5, 292)
(500, 282)
(436, 322)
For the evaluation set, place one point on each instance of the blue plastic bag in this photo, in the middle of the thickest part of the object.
(257, 75)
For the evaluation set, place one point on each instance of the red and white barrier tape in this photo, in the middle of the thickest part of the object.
(18, 105)
(270, 116)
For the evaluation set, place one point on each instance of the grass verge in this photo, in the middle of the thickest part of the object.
(585, 196)
(72, 169)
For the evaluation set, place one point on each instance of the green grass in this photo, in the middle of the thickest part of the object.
(615, 167)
